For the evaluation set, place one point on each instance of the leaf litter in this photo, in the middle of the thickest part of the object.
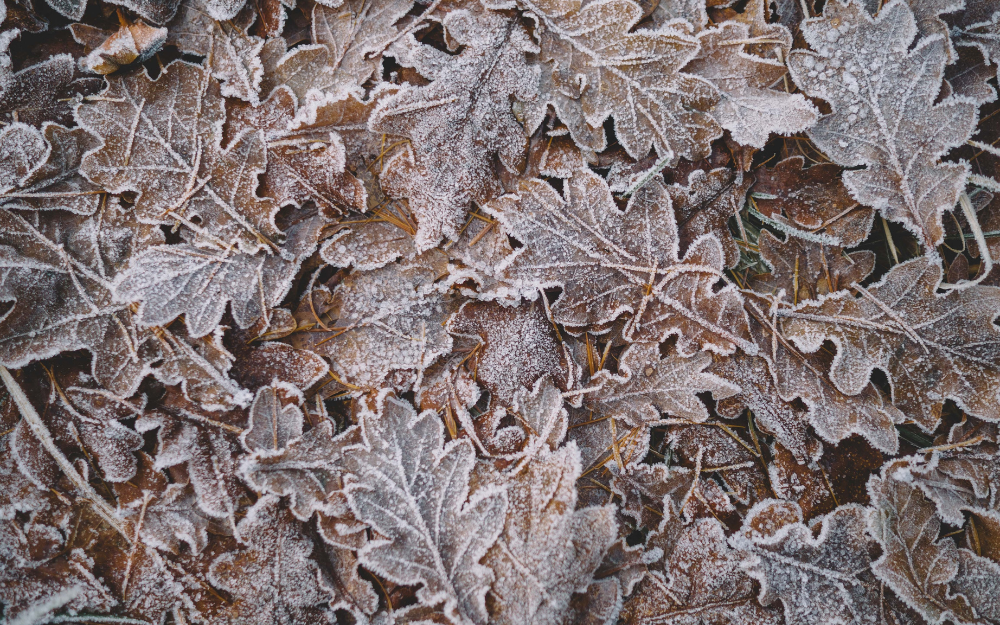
(499, 311)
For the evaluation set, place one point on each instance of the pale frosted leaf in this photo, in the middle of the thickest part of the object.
(309, 470)
(701, 583)
(600, 69)
(460, 121)
(809, 574)
(45, 91)
(306, 157)
(275, 418)
(882, 96)
(170, 280)
(932, 346)
(978, 579)
(58, 274)
(548, 549)
(205, 444)
(390, 319)
(162, 139)
(51, 180)
(200, 367)
(914, 563)
(518, 346)
(650, 387)
(273, 579)
(413, 490)
(609, 263)
(231, 54)
(748, 108)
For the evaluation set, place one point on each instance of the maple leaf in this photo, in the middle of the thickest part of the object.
(389, 320)
(914, 563)
(273, 579)
(610, 262)
(932, 347)
(884, 117)
(649, 385)
(814, 199)
(518, 346)
(413, 490)
(306, 156)
(548, 548)
(40, 169)
(59, 276)
(599, 67)
(810, 573)
(701, 582)
(465, 108)
(747, 107)
(170, 280)
(171, 128)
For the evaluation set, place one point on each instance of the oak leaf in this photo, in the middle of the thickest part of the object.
(413, 489)
(610, 262)
(932, 346)
(884, 116)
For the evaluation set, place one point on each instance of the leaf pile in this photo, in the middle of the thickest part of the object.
(499, 311)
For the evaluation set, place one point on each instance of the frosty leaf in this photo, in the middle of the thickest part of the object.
(705, 206)
(165, 514)
(345, 41)
(701, 582)
(914, 563)
(204, 444)
(200, 367)
(608, 263)
(747, 107)
(107, 51)
(157, 11)
(58, 275)
(44, 91)
(809, 574)
(231, 54)
(979, 25)
(649, 385)
(978, 579)
(162, 139)
(170, 280)
(309, 470)
(731, 457)
(306, 158)
(806, 269)
(813, 198)
(390, 319)
(518, 346)
(258, 364)
(465, 109)
(882, 96)
(548, 549)
(412, 489)
(36, 592)
(273, 579)
(599, 68)
(91, 418)
(275, 419)
(932, 347)
(49, 178)
(759, 393)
